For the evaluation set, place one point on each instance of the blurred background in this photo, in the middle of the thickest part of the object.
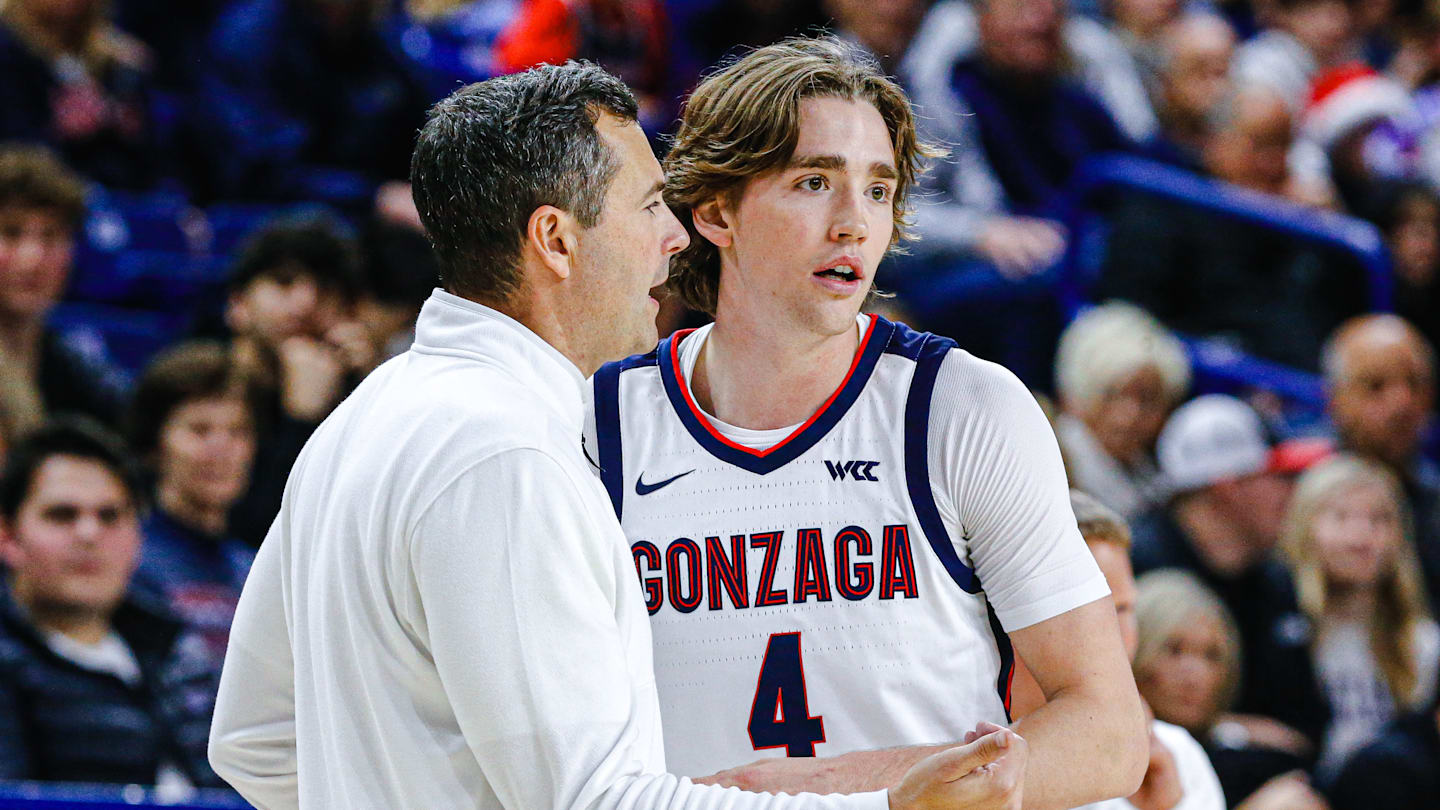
(1206, 235)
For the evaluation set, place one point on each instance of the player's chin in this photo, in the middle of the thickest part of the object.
(840, 312)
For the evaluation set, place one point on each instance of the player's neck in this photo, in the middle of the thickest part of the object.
(762, 379)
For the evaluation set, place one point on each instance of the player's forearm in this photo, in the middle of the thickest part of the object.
(855, 772)
(1084, 747)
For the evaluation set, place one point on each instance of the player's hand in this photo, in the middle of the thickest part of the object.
(1161, 789)
(310, 375)
(988, 772)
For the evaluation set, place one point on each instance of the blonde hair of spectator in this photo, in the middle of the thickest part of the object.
(1400, 596)
(743, 121)
(21, 409)
(1334, 356)
(1168, 599)
(34, 177)
(1108, 343)
(1099, 523)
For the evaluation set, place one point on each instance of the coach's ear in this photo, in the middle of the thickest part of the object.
(712, 221)
(551, 234)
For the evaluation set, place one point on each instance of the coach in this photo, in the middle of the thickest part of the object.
(444, 613)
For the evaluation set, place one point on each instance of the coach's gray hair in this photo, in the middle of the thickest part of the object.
(493, 152)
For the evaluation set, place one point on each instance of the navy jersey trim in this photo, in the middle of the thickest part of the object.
(1006, 679)
(908, 343)
(607, 425)
(773, 458)
(930, 354)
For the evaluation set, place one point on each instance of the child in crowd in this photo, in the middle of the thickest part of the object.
(1375, 647)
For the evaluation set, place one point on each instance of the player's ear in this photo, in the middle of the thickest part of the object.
(712, 221)
(551, 234)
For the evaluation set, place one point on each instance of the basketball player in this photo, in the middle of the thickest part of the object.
(843, 528)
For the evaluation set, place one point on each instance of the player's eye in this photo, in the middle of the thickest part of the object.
(813, 183)
(880, 193)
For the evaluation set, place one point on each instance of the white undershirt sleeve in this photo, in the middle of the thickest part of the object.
(996, 470)
(521, 604)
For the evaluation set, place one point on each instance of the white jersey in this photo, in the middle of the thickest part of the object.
(820, 591)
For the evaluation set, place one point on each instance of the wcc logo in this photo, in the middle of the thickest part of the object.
(854, 470)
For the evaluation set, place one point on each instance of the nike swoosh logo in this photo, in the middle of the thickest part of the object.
(642, 488)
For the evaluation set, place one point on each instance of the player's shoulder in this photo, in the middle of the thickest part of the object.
(958, 373)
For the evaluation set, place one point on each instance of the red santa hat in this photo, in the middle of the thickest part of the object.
(1350, 96)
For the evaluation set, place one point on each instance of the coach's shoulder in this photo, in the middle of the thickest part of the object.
(467, 409)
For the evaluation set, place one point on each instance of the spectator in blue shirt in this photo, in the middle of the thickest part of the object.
(193, 424)
(1017, 124)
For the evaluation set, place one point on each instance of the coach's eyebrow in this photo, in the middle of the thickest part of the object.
(653, 190)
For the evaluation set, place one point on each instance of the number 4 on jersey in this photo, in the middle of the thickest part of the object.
(780, 714)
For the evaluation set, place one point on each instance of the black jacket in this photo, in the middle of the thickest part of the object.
(62, 722)
(1399, 771)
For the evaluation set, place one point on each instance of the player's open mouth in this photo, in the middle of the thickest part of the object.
(842, 275)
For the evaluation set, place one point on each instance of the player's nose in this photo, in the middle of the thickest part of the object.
(847, 221)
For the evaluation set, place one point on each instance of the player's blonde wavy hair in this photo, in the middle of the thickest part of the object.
(744, 120)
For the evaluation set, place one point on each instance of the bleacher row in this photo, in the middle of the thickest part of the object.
(150, 264)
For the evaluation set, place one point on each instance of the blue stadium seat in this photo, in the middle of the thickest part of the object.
(130, 337)
(231, 223)
(145, 221)
(149, 279)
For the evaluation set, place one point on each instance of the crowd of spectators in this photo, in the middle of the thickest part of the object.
(1287, 551)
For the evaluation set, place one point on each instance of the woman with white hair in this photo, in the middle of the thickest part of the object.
(1118, 373)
